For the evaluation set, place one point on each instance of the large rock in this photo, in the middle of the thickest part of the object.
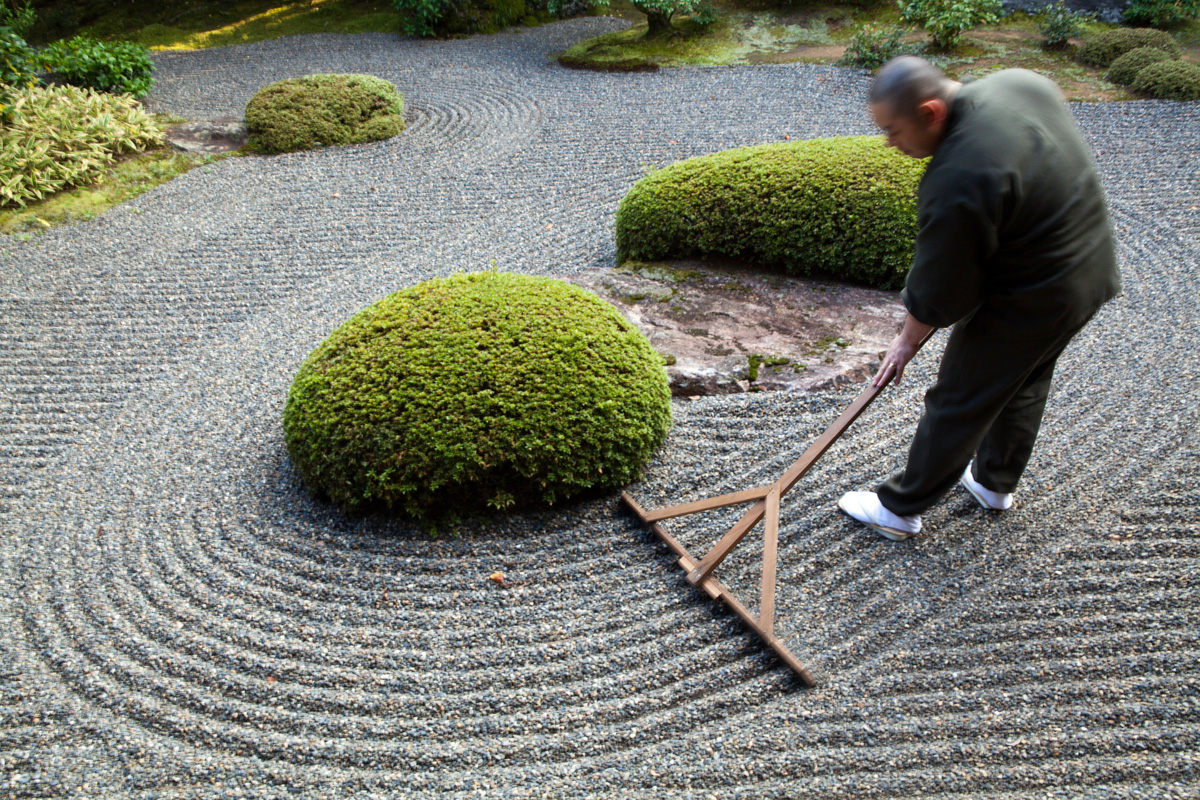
(712, 321)
(220, 135)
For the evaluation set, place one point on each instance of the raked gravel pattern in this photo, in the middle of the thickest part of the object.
(182, 621)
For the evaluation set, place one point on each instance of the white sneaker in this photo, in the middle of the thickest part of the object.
(866, 508)
(996, 501)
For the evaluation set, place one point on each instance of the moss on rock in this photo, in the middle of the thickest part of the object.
(1104, 48)
(484, 389)
(842, 206)
(299, 113)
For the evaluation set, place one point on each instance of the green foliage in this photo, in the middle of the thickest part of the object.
(17, 16)
(420, 17)
(1059, 22)
(117, 67)
(1105, 47)
(17, 69)
(63, 136)
(1161, 13)
(1169, 80)
(946, 20)
(1125, 68)
(660, 12)
(455, 17)
(872, 46)
(490, 388)
(844, 206)
(298, 113)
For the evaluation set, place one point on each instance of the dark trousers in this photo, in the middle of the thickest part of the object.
(987, 403)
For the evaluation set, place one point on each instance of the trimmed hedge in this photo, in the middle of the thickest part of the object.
(485, 389)
(299, 113)
(844, 206)
(1169, 80)
(1104, 48)
(1126, 68)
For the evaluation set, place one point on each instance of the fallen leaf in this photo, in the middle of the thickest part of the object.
(497, 577)
(272, 679)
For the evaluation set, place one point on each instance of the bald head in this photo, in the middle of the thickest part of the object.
(904, 83)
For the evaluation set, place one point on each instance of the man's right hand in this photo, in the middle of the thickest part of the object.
(902, 350)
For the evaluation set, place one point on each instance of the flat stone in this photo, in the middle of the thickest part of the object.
(220, 135)
(711, 317)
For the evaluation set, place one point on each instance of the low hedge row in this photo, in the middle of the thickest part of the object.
(840, 206)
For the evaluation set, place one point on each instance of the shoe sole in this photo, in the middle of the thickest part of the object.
(978, 498)
(887, 533)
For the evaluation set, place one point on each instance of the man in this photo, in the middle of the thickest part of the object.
(1014, 249)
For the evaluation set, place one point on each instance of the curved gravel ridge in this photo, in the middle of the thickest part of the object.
(184, 621)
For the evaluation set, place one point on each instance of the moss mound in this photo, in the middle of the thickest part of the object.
(1104, 48)
(488, 388)
(1125, 68)
(843, 206)
(1169, 80)
(298, 113)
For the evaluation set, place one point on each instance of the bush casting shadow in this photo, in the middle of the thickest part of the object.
(483, 390)
(300, 113)
(843, 206)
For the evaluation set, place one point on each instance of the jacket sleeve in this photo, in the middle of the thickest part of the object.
(958, 223)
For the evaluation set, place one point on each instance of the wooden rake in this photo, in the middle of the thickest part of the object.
(765, 501)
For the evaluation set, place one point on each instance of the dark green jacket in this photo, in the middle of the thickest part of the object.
(1012, 219)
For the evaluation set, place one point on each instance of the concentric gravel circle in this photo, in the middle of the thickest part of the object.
(185, 621)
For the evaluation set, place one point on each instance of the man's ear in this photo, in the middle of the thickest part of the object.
(933, 112)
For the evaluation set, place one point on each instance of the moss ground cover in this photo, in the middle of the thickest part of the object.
(844, 206)
(124, 180)
(299, 113)
(488, 389)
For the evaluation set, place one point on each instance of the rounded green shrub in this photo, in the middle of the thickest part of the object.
(300, 113)
(1169, 80)
(843, 206)
(1106, 47)
(1125, 68)
(484, 389)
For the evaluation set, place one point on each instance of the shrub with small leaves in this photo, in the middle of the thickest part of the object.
(17, 69)
(946, 20)
(1169, 80)
(63, 136)
(482, 390)
(116, 67)
(298, 113)
(872, 47)
(1161, 13)
(1059, 23)
(844, 206)
(17, 16)
(1126, 68)
(1104, 48)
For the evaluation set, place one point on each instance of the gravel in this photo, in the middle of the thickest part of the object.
(184, 621)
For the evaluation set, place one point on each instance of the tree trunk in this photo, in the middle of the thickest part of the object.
(660, 23)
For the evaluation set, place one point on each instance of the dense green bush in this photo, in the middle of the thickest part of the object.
(62, 136)
(117, 67)
(946, 20)
(1161, 13)
(1169, 80)
(17, 69)
(1104, 48)
(299, 113)
(872, 47)
(844, 206)
(490, 389)
(456, 17)
(1059, 23)
(17, 16)
(1125, 68)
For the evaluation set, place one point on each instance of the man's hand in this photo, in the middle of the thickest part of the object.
(901, 351)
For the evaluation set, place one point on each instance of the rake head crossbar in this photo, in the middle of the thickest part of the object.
(765, 507)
